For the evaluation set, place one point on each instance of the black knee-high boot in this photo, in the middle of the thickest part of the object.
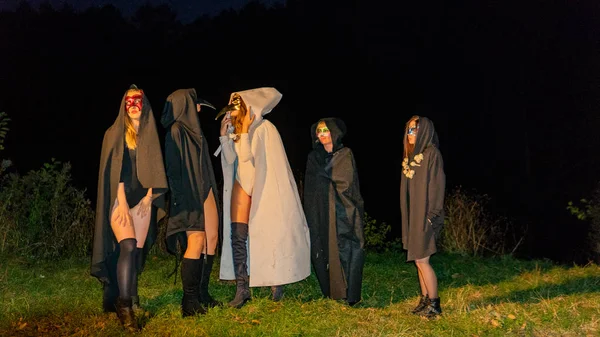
(239, 235)
(110, 288)
(205, 297)
(125, 271)
(190, 280)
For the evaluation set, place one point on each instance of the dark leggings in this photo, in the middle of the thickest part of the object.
(126, 267)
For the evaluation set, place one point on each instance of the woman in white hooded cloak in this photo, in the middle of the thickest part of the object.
(262, 211)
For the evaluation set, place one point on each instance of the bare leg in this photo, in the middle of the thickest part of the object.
(422, 282)
(141, 225)
(211, 224)
(122, 232)
(429, 277)
(195, 244)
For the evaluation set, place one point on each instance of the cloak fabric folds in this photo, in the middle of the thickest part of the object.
(150, 173)
(278, 238)
(189, 168)
(422, 197)
(334, 211)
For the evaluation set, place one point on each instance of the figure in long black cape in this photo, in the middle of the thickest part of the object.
(194, 214)
(334, 210)
(130, 201)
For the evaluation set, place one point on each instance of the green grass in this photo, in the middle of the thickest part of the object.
(480, 297)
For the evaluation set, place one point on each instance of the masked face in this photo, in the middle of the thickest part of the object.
(133, 103)
(234, 108)
(411, 133)
(323, 134)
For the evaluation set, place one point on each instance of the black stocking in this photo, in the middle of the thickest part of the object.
(126, 267)
(136, 265)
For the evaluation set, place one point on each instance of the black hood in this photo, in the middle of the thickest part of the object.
(181, 106)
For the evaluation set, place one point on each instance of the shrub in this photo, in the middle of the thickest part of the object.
(3, 128)
(470, 229)
(43, 216)
(376, 235)
(5, 163)
(589, 211)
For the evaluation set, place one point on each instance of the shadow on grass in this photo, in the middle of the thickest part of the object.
(580, 285)
(389, 279)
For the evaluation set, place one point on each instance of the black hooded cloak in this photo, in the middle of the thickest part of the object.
(334, 211)
(189, 167)
(422, 196)
(149, 172)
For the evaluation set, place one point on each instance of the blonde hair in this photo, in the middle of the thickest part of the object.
(237, 121)
(130, 133)
(409, 148)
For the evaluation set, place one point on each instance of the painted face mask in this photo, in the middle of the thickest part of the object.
(323, 132)
(133, 100)
(412, 131)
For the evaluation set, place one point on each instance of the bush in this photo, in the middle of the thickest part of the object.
(43, 216)
(589, 211)
(376, 235)
(470, 229)
(3, 128)
(5, 163)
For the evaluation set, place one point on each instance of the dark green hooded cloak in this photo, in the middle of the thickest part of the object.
(334, 211)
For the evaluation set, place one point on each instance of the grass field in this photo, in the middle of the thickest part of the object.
(480, 297)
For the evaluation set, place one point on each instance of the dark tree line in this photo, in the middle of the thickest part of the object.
(512, 87)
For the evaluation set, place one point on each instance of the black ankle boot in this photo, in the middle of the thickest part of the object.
(433, 309)
(276, 293)
(239, 235)
(190, 279)
(423, 303)
(206, 267)
(126, 315)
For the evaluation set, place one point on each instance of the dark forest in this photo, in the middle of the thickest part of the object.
(513, 88)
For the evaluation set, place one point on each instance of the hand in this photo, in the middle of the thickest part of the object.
(248, 119)
(225, 123)
(145, 205)
(121, 215)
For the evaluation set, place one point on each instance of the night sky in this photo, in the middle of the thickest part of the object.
(512, 87)
(187, 10)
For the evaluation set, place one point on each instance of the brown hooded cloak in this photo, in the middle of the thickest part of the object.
(422, 196)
